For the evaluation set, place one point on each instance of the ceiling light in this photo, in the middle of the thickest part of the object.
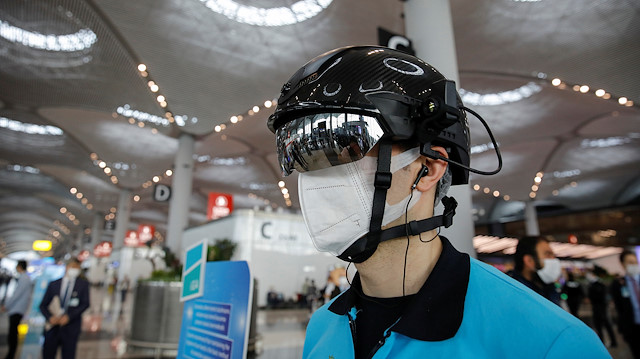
(168, 172)
(600, 92)
(565, 174)
(267, 104)
(136, 198)
(154, 88)
(555, 192)
(576, 88)
(534, 188)
(156, 179)
(622, 100)
(163, 104)
(584, 88)
(506, 197)
(141, 124)
(256, 109)
(29, 128)
(556, 82)
(606, 96)
(217, 128)
(107, 170)
(132, 120)
(233, 119)
(487, 190)
(537, 180)
(63, 210)
(250, 112)
(89, 206)
(84, 200)
(496, 193)
(154, 131)
(151, 83)
(160, 98)
(604, 142)
(239, 118)
(78, 195)
(93, 156)
(574, 184)
(142, 67)
(532, 195)
(476, 187)
(540, 174)
(73, 190)
(629, 103)
(281, 184)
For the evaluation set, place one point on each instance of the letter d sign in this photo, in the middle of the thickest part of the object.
(161, 193)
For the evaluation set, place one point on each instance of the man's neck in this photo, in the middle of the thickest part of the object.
(382, 275)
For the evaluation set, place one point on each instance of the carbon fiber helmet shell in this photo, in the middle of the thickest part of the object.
(403, 92)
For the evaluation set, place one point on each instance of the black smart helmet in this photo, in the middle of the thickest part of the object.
(410, 99)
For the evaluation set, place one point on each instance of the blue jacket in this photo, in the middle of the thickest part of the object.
(466, 309)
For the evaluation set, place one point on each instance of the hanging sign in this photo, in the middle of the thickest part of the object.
(103, 249)
(146, 233)
(132, 239)
(161, 193)
(220, 205)
(395, 41)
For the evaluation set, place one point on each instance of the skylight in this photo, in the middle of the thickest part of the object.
(278, 16)
(81, 40)
(500, 98)
(29, 128)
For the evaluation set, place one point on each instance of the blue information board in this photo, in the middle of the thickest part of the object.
(216, 325)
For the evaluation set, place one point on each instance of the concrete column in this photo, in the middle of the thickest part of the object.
(96, 229)
(181, 193)
(531, 219)
(430, 28)
(122, 218)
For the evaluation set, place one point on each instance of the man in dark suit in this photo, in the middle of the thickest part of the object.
(626, 296)
(62, 305)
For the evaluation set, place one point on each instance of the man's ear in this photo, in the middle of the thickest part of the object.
(436, 169)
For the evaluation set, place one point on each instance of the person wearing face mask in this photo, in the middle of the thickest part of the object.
(17, 305)
(62, 306)
(537, 267)
(626, 296)
(414, 295)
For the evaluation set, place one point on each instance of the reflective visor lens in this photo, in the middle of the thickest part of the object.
(323, 140)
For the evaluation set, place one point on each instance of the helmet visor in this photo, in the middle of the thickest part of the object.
(318, 141)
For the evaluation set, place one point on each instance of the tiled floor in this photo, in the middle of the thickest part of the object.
(280, 333)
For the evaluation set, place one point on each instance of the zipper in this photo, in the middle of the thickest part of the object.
(387, 334)
(352, 327)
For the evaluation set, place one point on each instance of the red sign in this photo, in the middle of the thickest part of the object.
(103, 249)
(132, 239)
(82, 256)
(220, 205)
(145, 233)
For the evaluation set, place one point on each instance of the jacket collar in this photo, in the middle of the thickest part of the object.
(436, 312)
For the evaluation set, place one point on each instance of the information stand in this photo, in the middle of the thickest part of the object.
(216, 325)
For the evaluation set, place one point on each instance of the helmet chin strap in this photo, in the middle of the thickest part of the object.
(365, 246)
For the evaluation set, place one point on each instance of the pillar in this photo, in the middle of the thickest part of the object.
(531, 219)
(122, 218)
(429, 26)
(181, 193)
(96, 229)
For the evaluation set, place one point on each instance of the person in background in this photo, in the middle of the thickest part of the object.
(573, 289)
(17, 305)
(124, 286)
(626, 297)
(599, 298)
(537, 267)
(62, 306)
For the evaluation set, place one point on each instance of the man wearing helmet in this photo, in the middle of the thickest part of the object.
(384, 135)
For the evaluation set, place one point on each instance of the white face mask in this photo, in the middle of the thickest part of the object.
(550, 271)
(73, 273)
(633, 270)
(336, 202)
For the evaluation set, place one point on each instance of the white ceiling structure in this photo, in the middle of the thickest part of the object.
(79, 121)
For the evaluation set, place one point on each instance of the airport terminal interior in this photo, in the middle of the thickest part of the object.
(133, 136)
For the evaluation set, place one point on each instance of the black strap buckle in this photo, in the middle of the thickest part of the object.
(383, 180)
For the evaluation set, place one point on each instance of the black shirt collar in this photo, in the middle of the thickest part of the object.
(436, 311)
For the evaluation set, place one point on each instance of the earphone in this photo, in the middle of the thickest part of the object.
(423, 172)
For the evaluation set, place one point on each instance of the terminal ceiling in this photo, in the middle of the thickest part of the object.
(211, 63)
